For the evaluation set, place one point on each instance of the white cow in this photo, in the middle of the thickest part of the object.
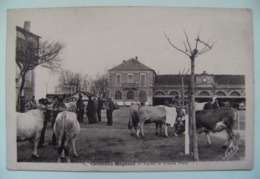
(66, 128)
(156, 114)
(29, 127)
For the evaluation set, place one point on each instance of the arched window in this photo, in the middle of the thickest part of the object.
(174, 93)
(220, 93)
(118, 95)
(234, 93)
(130, 95)
(142, 97)
(159, 93)
(204, 93)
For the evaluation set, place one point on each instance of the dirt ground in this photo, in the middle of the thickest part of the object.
(101, 143)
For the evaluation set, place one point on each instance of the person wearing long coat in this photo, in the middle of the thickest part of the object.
(110, 106)
(90, 110)
(80, 109)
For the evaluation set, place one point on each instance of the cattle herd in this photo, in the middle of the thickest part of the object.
(67, 127)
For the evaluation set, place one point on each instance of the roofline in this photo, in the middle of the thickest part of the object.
(20, 28)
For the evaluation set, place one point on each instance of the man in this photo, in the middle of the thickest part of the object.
(80, 108)
(110, 106)
(47, 117)
(100, 105)
(211, 104)
(95, 109)
(58, 106)
(90, 111)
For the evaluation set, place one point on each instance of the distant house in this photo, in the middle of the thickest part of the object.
(134, 82)
(131, 82)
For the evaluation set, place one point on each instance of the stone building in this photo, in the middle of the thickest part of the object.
(132, 81)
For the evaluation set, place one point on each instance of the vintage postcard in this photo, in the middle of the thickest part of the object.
(129, 89)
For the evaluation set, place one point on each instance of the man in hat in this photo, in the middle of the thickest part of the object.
(80, 108)
(211, 104)
(99, 108)
(90, 111)
(110, 106)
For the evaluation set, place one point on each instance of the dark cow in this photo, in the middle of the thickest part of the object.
(215, 120)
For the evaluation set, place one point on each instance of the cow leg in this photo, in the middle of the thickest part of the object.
(142, 129)
(232, 149)
(230, 138)
(208, 139)
(60, 150)
(74, 147)
(166, 129)
(35, 144)
(67, 148)
(158, 129)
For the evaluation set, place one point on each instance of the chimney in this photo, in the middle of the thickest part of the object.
(27, 25)
(136, 57)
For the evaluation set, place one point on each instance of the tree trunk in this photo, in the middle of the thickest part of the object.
(193, 117)
(21, 88)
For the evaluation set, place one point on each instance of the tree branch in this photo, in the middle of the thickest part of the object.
(187, 39)
(175, 46)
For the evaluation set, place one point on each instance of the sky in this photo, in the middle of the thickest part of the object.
(97, 39)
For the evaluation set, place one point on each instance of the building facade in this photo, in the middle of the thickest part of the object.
(23, 52)
(133, 82)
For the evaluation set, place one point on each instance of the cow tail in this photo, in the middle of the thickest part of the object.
(62, 133)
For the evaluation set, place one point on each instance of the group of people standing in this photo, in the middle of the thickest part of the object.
(93, 110)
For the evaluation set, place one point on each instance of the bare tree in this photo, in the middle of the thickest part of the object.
(99, 85)
(31, 54)
(200, 48)
(72, 79)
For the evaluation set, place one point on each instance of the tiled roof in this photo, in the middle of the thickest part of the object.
(219, 79)
(230, 79)
(131, 65)
(170, 79)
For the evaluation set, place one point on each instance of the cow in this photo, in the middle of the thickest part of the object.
(66, 129)
(156, 114)
(29, 127)
(216, 120)
(134, 120)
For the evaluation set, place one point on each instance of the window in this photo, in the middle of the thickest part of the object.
(118, 95)
(142, 79)
(118, 78)
(130, 95)
(130, 78)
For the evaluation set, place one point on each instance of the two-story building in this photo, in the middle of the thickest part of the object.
(131, 82)
(134, 82)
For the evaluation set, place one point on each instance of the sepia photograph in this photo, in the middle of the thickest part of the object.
(129, 89)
